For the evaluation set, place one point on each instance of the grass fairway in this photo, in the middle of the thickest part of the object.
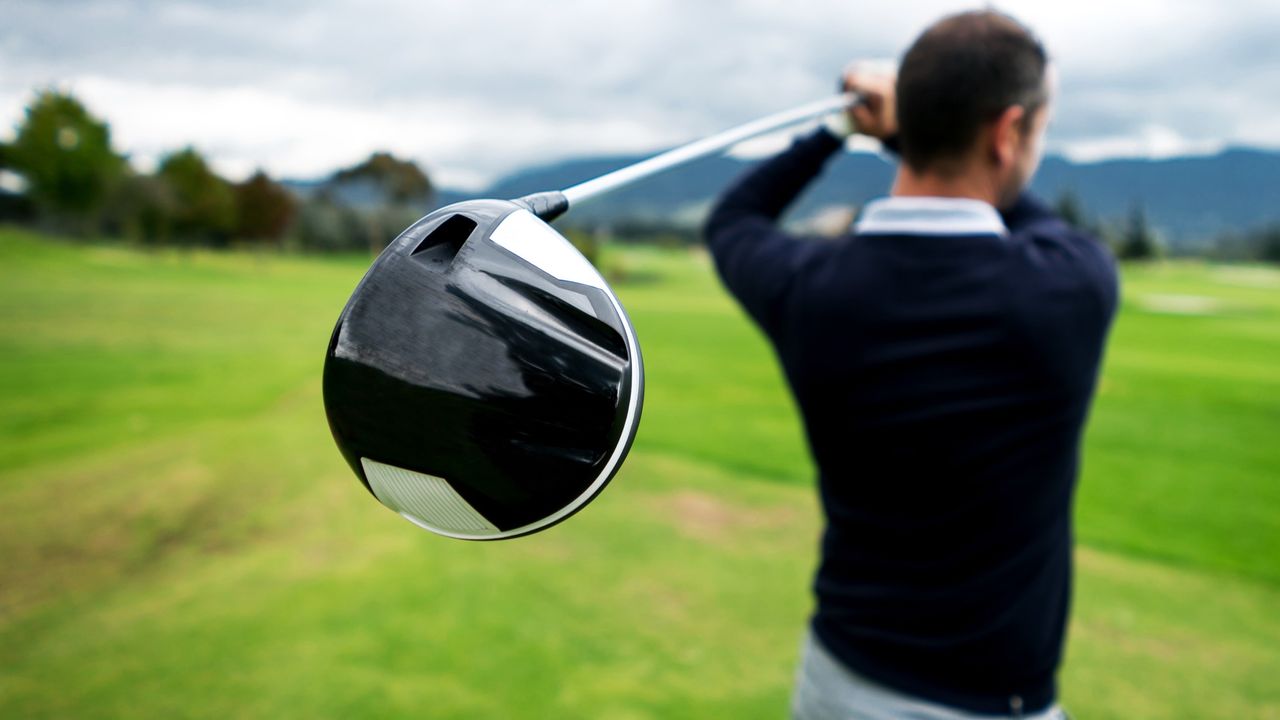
(181, 538)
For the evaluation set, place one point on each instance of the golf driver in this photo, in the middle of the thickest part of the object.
(483, 380)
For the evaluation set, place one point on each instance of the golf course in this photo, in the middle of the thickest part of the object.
(181, 538)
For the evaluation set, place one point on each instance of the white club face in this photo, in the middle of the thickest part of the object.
(541, 246)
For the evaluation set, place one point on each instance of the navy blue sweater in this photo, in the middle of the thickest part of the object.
(943, 381)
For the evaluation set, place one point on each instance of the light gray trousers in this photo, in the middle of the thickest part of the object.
(827, 690)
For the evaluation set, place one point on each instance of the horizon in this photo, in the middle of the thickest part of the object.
(628, 157)
(858, 149)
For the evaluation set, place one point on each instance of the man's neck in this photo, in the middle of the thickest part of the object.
(964, 185)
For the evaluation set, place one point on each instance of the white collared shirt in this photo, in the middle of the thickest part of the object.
(929, 216)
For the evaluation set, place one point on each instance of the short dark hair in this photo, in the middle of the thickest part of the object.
(959, 74)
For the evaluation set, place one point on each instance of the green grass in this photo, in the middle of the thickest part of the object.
(180, 538)
(1182, 459)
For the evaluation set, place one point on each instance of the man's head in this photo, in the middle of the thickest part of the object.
(973, 96)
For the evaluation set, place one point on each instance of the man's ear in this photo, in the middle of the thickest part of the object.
(1006, 135)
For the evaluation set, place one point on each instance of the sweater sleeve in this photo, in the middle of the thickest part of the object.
(756, 260)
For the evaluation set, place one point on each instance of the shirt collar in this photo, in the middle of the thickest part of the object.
(929, 216)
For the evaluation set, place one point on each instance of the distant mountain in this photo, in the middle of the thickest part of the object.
(1188, 200)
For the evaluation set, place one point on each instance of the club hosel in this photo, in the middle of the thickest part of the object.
(546, 205)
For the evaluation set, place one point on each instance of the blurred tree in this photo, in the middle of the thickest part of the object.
(66, 157)
(400, 181)
(381, 225)
(141, 207)
(386, 193)
(1138, 241)
(204, 208)
(264, 208)
(327, 226)
(1069, 209)
(1229, 246)
(1268, 243)
(656, 232)
(1256, 244)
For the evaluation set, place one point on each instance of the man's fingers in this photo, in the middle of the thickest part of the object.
(874, 84)
(852, 81)
(862, 116)
(864, 87)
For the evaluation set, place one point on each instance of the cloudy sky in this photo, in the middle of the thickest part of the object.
(475, 89)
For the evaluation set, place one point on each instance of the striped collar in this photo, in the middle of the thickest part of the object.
(929, 216)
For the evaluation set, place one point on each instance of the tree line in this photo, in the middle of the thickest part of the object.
(73, 181)
(1134, 239)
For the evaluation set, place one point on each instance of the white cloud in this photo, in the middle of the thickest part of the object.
(473, 90)
(242, 128)
(1151, 141)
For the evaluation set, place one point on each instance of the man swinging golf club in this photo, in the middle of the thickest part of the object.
(943, 357)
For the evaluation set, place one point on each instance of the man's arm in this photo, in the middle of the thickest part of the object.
(755, 259)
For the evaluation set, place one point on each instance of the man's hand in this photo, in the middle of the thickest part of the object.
(875, 115)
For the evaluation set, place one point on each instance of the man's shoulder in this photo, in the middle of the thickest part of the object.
(1063, 271)
(1052, 245)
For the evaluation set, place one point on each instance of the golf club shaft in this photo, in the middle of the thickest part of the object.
(706, 146)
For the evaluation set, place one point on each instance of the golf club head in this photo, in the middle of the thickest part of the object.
(483, 380)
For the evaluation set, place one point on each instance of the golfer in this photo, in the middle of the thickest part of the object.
(943, 356)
